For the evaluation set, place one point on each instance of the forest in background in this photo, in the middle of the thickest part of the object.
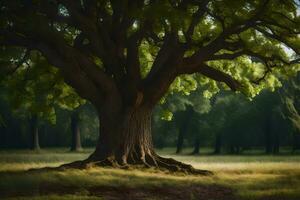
(224, 122)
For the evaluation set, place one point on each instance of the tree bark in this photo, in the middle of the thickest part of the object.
(125, 140)
(34, 130)
(196, 146)
(75, 129)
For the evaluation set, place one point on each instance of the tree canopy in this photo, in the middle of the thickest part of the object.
(147, 44)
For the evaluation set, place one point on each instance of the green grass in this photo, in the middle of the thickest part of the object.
(250, 177)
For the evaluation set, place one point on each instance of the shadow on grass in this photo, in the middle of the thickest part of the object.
(114, 185)
(199, 192)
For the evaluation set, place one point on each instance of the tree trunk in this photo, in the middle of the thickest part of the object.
(75, 129)
(268, 136)
(34, 130)
(276, 143)
(187, 115)
(218, 144)
(125, 140)
(180, 140)
(196, 146)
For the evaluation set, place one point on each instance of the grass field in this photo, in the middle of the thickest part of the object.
(235, 177)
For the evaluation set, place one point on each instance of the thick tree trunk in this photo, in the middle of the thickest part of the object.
(34, 130)
(75, 129)
(125, 140)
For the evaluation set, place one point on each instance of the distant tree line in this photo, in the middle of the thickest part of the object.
(73, 128)
(231, 123)
(226, 122)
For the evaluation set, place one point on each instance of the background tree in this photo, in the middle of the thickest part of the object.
(76, 141)
(185, 109)
(290, 97)
(79, 115)
(33, 90)
(270, 106)
(125, 55)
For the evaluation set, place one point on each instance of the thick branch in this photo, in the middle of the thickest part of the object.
(196, 18)
(279, 38)
(214, 74)
(164, 69)
(205, 52)
(219, 76)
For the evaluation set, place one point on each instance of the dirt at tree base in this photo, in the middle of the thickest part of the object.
(191, 192)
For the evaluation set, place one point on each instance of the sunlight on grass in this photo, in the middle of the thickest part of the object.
(260, 177)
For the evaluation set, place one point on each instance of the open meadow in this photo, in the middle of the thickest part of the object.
(235, 177)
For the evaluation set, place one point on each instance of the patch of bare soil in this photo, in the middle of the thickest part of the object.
(195, 192)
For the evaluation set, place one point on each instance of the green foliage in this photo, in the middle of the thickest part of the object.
(176, 102)
(243, 68)
(147, 54)
(37, 87)
(252, 42)
(267, 41)
(291, 101)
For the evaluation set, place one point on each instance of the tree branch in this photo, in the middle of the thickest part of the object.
(280, 39)
(205, 52)
(195, 19)
(216, 75)
(21, 61)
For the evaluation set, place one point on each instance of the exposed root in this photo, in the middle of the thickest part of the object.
(155, 162)
(135, 150)
(177, 166)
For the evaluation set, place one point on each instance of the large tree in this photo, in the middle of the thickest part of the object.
(123, 55)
